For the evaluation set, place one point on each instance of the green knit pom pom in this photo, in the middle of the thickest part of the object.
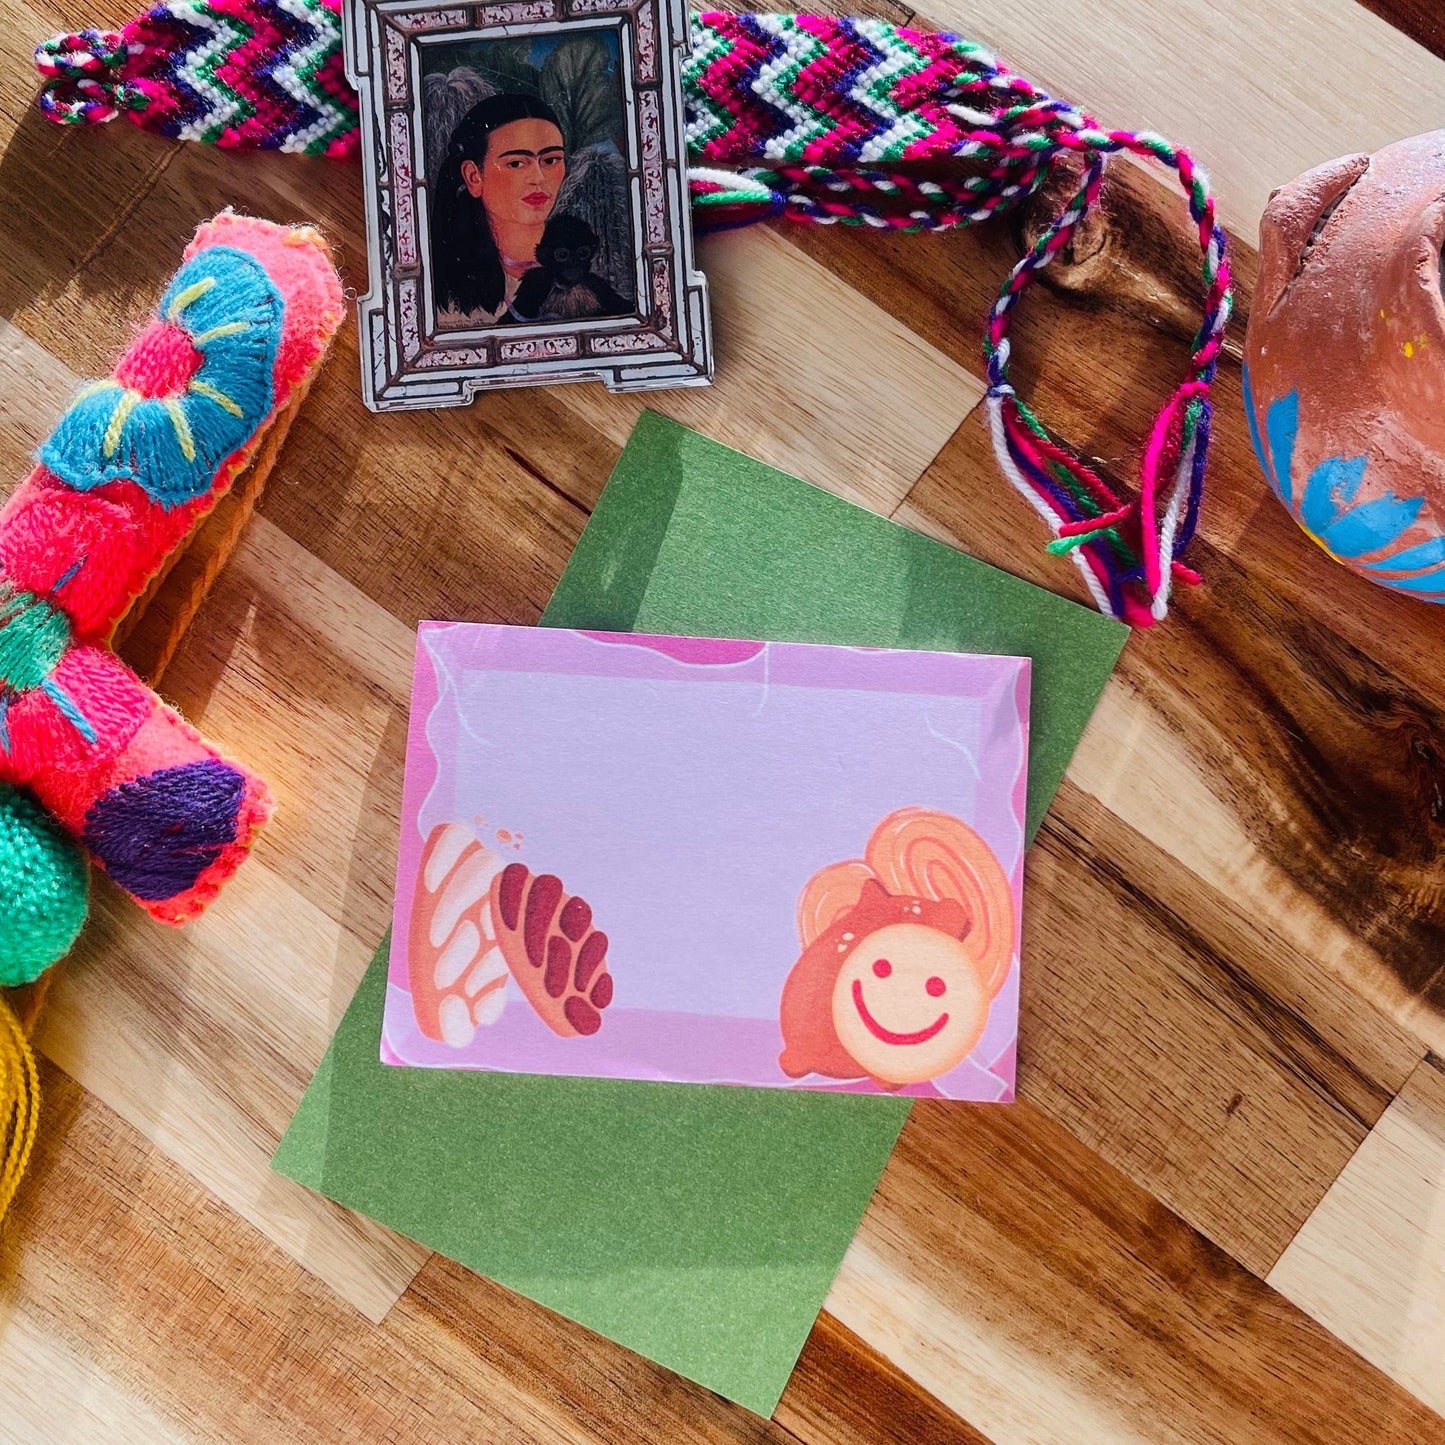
(44, 890)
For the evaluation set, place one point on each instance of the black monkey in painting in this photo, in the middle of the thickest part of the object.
(563, 286)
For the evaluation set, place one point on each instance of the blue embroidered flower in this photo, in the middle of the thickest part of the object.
(194, 387)
(1329, 514)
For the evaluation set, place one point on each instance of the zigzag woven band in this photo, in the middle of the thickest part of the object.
(802, 116)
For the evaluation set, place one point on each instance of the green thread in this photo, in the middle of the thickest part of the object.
(816, 125)
(33, 638)
(905, 128)
(727, 198)
(1084, 499)
(209, 72)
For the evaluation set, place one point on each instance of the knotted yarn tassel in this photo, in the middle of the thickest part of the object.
(1128, 555)
(19, 1104)
(81, 85)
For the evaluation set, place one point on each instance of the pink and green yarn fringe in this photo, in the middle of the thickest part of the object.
(807, 117)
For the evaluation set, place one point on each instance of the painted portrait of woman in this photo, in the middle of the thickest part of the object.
(529, 197)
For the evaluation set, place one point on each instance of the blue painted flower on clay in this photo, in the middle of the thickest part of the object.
(1349, 530)
(194, 387)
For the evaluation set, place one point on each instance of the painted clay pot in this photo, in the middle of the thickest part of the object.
(1345, 361)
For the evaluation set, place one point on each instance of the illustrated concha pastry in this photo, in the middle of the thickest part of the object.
(477, 921)
(457, 974)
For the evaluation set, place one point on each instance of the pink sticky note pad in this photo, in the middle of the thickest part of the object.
(704, 861)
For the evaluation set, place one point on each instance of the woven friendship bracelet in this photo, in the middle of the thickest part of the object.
(802, 116)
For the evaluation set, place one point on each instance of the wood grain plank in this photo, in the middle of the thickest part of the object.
(1421, 20)
(204, 1044)
(1096, 354)
(787, 330)
(1048, 1299)
(311, 681)
(1369, 1263)
(126, 1272)
(1259, 89)
(1149, 1031)
(49, 1393)
(212, 1333)
(843, 1389)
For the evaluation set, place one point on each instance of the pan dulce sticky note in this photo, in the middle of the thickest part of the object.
(705, 861)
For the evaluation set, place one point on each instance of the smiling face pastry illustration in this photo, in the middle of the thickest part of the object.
(903, 953)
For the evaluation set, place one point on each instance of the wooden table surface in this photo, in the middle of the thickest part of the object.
(1217, 1212)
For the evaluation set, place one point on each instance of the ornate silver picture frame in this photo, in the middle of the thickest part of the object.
(526, 199)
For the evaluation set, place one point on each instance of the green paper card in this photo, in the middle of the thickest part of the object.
(699, 1226)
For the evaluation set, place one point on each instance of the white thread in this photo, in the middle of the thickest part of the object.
(325, 34)
(1159, 603)
(994, 402)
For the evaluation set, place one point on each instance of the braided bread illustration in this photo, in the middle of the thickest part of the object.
(478, 920)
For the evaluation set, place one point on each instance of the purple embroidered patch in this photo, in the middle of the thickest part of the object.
(157, 834)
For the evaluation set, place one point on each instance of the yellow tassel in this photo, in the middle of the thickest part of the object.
(19, 1104)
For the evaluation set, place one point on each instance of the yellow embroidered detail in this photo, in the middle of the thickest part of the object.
(211, 393)
(183, 428)
(231, 328)
(189, 297)
(123, 409)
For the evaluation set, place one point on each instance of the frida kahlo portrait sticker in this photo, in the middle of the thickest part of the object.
(710, 861)
(527, 209)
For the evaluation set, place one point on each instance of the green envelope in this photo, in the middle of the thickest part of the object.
(699, 1226)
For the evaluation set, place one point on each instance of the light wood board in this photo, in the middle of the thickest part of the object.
(1370, 1261)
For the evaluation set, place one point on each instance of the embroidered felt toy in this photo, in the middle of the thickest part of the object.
(1346, 361)
(193, 414)
(803, 116)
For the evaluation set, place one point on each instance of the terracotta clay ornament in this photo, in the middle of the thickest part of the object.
(1345, 375)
